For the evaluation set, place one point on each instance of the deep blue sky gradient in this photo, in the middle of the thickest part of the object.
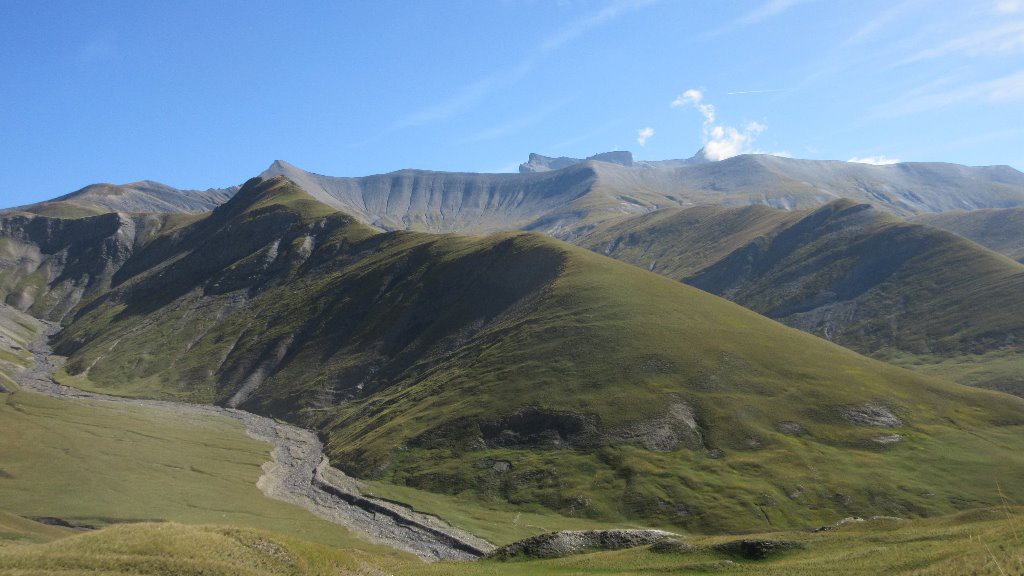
(207, 94)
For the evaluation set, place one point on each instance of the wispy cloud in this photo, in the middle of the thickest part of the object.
(475, 92)
(739, 92)
(1008, 88)
(644, 134)
(1008, 7)
(880, 21)
(518, 123)
(879, 160)
(767, 10)
(720, 141)
(1004, 39)
(588, 135)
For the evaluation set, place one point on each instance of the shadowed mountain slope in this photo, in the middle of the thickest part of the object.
(48, 265)
(847, 272)
(1001, 230)
(678, 242)
(518, 368)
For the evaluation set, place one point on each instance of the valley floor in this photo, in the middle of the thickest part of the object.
(298, 474)
(172, 488)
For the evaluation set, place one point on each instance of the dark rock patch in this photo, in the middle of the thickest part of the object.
(792, 428)
(671, 546)
(569, 542)
(870, 414)
(758, 549)
(54, 521)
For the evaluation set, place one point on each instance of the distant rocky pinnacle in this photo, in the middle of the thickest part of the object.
(539, 163)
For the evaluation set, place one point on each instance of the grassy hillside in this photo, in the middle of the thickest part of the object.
(679, 242)
(903, 292)
(91, 463)
(516, 370)
(1000, 229)
(983, 543)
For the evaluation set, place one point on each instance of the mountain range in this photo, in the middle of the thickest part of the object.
(765, 246)
(514, 366)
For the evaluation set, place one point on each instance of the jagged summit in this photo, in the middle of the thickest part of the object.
(541, 163)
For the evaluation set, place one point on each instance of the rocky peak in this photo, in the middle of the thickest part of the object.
(541, 163)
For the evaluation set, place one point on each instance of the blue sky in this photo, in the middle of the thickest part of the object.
(207, 94)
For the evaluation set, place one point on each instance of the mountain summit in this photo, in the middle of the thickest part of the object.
(566, 196)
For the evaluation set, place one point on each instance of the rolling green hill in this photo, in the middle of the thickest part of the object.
(518, 369)
(904, 292)
(679, 242)
(1001, 229)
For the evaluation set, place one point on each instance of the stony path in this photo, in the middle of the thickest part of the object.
(298, 473)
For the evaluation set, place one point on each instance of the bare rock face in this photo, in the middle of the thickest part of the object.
(870, 414)
(539, 163)
(569, 542)
(677, 427)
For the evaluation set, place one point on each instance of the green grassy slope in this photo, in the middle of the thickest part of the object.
(1000, 229)
(92, 463)
(14, 528)
(679, 242)
(904, 292)
(983, 543)
(518, 370)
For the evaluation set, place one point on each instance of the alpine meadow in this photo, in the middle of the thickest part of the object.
(725, 351)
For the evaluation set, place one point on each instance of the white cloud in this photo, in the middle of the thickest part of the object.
(723, 142)
(694, 96)
(643, 134)
(879, 160)
(720, 142)
(1008, 6)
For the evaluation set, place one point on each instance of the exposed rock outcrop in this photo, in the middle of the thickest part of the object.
(569, 542)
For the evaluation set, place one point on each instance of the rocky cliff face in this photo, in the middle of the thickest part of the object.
(49, 265)
(566, 197)
(540, 163)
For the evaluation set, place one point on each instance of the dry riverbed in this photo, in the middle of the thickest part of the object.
(298, 472)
